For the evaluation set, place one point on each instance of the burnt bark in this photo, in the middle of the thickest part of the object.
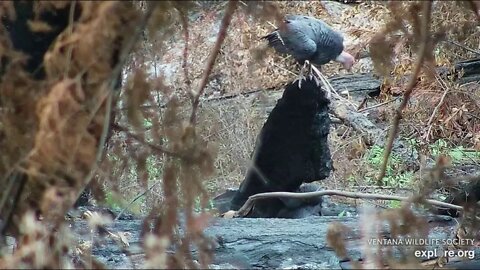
(463, 71)
(292, 148)
(363, 83)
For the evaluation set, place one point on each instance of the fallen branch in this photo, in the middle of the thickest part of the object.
(427, 8)
(463, 47)
(246, 208)
(378, 105)
(382, 187)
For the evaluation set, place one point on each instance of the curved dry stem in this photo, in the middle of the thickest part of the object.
(245, 209)
(186, 33)
(232, 5)
(156, 148)
(427, 8)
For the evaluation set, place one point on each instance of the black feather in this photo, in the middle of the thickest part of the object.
(306, 38)
(276, 41)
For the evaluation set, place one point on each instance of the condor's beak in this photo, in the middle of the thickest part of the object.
(346, 59)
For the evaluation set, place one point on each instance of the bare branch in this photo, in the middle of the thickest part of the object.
(14, 189)
(232, 5)
(116, 71)
(186, 33)
(245, 209)
(154, 147)
(440, 103)
(135, 199)
(427, 8)
(378, 105)
(463, 47)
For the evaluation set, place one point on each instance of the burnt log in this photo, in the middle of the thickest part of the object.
(463, 72)
(470, 70)
(291, 149)
(363, 83)
(368, 83)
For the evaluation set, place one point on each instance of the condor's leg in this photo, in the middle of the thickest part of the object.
(302, 76)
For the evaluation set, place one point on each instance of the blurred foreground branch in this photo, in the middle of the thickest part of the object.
(422, 51)
(232, 5)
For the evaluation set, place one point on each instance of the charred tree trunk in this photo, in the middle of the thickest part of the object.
(292, 148)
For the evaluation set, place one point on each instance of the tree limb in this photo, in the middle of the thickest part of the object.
(427, 8)
(154, 147)
(186, 33)
(232, 5)
(246, 208)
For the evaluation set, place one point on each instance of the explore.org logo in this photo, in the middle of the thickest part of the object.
(419, 242)
(432, 252)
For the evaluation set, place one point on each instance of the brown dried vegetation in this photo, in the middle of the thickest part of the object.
(53, 131)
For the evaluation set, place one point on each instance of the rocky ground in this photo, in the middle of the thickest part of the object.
(264, 243)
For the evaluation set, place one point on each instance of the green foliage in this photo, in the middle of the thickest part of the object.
(395, 204)
(374, 158)
(113, 200)
(412, 142)
(438, 148)
(147, 124)
(154, 168)
(198, 207)
(457, 154)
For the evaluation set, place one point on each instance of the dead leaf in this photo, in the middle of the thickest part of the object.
(39, 26)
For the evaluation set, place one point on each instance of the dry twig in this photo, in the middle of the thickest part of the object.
(378, 105)
(427, 8)
(245, 209)
(232, 5)
(440, 103)
(154, 147)
(184, 19)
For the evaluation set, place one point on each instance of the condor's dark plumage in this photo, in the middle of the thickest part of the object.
(308, 38)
